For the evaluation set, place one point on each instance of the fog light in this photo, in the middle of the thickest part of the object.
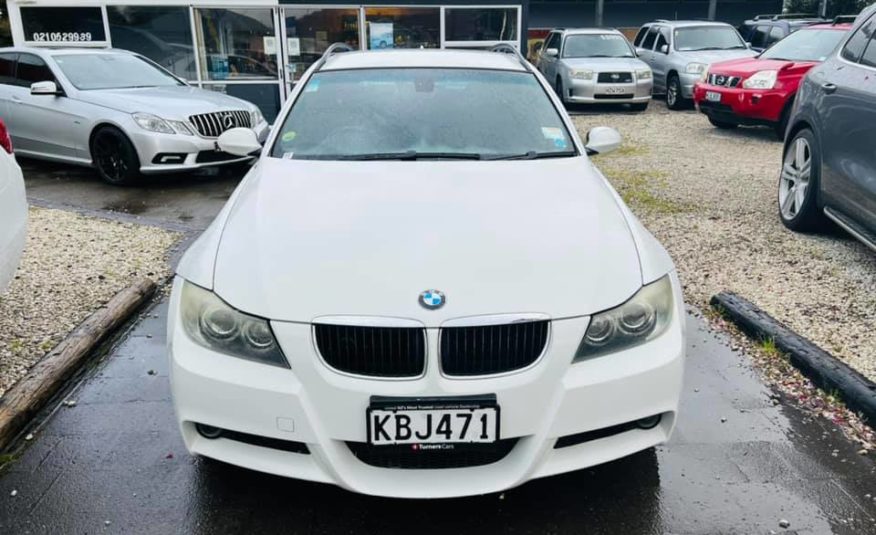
(649, 422)
(208, 431)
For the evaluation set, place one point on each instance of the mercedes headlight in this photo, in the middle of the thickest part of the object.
(153, 123)
(644, 74)
(181, 128)
(581, 74)
(695, 68)
(643, 317)
(214, 324)
(761, 80)
(256, 117)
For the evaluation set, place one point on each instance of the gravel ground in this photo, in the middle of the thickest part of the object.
(71, 265)
(709, 195)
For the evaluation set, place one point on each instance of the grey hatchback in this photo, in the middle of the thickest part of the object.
(829, 164)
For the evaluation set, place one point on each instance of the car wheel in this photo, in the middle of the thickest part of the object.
(115, 157)
(674, 98)
(799, 183)
(722, 124)
(559, 89)
(639, 107)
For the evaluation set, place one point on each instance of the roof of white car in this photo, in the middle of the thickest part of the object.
(428, 58)
(689, 23)
(590, 31)
(63, 51)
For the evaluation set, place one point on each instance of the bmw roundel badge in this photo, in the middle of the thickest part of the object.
(432, 299)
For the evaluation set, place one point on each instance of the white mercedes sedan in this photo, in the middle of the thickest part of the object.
(424, 289)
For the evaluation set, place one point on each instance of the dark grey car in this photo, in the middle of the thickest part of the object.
(829, 164)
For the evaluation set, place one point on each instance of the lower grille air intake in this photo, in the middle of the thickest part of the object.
(432, 456)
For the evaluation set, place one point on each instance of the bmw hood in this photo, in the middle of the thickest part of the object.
(306, 239)
(167, 102)
(607, 64)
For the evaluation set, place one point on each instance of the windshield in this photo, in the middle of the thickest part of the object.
(422, 113)
(112, 71)
(707, 38)
(606, 45)
(806, 45)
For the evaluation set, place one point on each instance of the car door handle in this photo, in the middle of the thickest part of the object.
(15, 98)
(828, 87)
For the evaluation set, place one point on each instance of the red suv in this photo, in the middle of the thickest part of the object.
(760, 90)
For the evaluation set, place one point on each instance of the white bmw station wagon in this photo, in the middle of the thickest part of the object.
(424, 288)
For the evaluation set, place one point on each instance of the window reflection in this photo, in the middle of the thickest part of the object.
(265, 96)
(480, 24)
(162, 34)
(399, 27)
(237, 44)
(309, 32)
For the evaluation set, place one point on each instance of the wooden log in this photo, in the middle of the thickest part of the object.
(31, 393)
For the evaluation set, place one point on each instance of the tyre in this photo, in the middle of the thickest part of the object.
(114, 157)
(639, 107)
(799, 184)
(674, 97)
(559, 89)
(722, 124)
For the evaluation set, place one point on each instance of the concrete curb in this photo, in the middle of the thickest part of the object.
(823, 369)
(33, 391)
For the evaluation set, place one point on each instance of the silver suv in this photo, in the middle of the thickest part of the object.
(595, 65)
(679, 52)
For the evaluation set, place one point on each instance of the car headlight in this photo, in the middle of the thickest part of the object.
(704, 76)
(644, 74)
(214, 324)
(644, 317)
(761, 80)
(153, 123)
(695, 68)
(256, 117)
(181, 128)
(581, 74)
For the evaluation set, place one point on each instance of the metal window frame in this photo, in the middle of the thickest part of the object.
(486, 43)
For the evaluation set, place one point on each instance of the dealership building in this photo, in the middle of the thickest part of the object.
(258, 49)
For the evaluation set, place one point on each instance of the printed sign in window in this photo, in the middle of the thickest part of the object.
(62, 24)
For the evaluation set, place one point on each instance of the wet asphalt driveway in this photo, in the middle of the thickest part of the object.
(114, 463)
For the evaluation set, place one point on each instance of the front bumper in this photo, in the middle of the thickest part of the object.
(742, 106)
(591, 92)
(167, 153)
(688, 81)
(322, 409)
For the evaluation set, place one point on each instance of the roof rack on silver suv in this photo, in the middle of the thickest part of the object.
(506, 48)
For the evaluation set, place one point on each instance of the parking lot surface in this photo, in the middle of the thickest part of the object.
(177, 201)
(738, 463)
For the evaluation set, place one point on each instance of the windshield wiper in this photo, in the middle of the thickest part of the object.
(533, 155)
(407, 155)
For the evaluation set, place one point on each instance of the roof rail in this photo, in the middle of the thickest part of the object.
(333, 49)
(844, 19)
(506, 48)
(763, 16)
(661, 20)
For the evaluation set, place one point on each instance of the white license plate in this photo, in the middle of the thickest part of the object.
(614, 90)
(416, 422)
(713, 96)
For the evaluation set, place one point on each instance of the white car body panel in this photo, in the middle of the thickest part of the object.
(308, 238)
(13, 217)
(304, 242)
